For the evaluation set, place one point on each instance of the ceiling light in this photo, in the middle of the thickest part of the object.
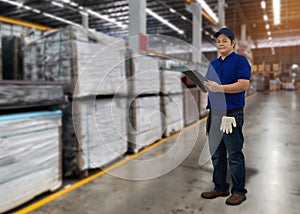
(269, 33)
(208, 10)
(183, 17)
(36, 11)
(267, 26)
(164, 21)
(73, 4)
(270, 38)
(66, 1)
(13, 3)
(172, 10)
(27, 7)
(57, 4)
(266, 17)
(61, 19)
(106, 17)
(21, 5)
(276, 12)
(263, 4)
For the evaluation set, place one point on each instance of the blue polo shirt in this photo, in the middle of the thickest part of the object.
(227, 71)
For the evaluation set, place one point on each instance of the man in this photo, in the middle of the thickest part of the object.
(228, 78)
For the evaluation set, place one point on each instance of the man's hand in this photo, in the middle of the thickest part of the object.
(227, 123)
(213, 86)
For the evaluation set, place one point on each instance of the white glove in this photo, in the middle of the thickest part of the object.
(227, 123)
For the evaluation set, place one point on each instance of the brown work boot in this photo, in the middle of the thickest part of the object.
(213, 194)
(235, 199)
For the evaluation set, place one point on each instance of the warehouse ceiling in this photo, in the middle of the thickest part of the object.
(237, 12)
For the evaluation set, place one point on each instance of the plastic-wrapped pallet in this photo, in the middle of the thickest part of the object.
(191, 98)
(148, 128)
(146, 75)
(21, 93)
(100, 133)
(170, 82)
(88, 63)
(172, 108)
(30, 156)
(1, 62)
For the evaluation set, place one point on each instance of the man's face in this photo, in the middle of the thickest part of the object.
(224, 45)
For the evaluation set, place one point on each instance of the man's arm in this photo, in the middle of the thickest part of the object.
(239, 86)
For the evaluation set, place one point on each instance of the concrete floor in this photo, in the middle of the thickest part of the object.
(272, 148)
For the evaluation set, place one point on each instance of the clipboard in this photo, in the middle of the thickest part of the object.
(197, 78)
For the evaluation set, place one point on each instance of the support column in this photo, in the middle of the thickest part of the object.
(195, 9)
(243, 33)
(221, 13)
(85, 20)
(137, 22)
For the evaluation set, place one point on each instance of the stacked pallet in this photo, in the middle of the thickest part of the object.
(146, 76)
(1, 61)
(171, 101)
(147, 128)
(170, 82)
(95, 133)
(91, 67)
(30, 156)
(145, 118)
(88, 63)
(192, 105)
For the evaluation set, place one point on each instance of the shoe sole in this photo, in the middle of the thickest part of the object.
(234, 204)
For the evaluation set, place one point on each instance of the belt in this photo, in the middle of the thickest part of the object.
(226, 112)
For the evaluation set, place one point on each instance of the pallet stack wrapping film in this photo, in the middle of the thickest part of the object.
(30, 142)
(1, 61)
(171, 101)
(191, 97)
(91, 67)
(144, 101)
(30, 156)
(29, 93)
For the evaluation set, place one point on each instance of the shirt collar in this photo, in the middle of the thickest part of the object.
(231, 54)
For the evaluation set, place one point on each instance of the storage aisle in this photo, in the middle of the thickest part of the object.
(272, 148)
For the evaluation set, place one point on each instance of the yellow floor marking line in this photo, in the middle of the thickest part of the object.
(99, 174)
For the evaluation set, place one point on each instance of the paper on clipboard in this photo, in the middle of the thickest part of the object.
(197, 78)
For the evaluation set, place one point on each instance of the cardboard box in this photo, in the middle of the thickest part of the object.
(275, 67)
(260, 67)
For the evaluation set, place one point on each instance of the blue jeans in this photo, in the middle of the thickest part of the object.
(227, 147)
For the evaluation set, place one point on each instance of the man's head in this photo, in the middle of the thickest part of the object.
(225, 41)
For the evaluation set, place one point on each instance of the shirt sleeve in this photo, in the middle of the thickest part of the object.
(244, 69)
